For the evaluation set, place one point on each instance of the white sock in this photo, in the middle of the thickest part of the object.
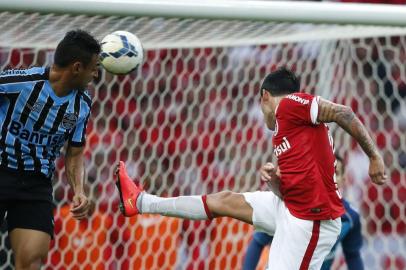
(188, 207)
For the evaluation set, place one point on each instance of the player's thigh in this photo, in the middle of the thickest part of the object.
(229, 204)
(290, 243)
(329, 234)
(30, 226)
(302, 244)
(265, 205)
(29, 246)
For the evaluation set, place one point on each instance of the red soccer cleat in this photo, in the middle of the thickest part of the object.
(128, 190)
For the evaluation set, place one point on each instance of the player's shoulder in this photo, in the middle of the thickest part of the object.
(86, 98)
(24, 72)
(299, 98)
(295, 102)
(24, 75)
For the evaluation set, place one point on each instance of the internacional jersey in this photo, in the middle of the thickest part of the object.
(304, 149)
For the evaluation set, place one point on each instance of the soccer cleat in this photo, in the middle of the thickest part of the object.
(128, 191)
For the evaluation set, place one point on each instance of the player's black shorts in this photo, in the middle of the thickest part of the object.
(26, 201)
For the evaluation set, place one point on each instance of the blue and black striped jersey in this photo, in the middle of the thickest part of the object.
(35, 123)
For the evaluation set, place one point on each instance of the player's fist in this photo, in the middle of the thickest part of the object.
(81, 205)
(377, 170)
(271, 176)
(269, 172)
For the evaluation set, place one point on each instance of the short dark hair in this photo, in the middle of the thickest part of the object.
(77, 45)
(281, 82)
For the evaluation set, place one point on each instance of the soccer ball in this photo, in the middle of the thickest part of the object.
(121, 52)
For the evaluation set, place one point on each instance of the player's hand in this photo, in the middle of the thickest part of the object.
(269, 172)
(377, 170)
(271, 176)
(80, 206)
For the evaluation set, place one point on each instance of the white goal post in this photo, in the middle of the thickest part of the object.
(188, 121)
(276, 11)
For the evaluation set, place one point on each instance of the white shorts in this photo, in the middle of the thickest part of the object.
(297, 244)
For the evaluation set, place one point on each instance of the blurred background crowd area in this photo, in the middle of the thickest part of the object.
(188, 122)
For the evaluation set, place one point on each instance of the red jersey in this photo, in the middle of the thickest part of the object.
(304, 149)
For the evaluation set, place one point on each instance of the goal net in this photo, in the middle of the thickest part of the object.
(189, 122)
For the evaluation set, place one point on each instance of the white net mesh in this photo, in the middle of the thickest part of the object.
(160, 33)
(189, 122)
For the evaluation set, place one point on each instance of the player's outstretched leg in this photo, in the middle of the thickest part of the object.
(136, 201)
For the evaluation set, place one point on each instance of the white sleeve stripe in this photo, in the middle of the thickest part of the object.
(314, 110)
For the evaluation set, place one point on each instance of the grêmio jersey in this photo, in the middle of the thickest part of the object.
(35, 123)
(304, 149)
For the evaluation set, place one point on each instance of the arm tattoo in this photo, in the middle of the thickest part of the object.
(346, 119)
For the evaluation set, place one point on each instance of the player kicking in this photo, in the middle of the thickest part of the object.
(41, 109)
(305, 220)
(350, 236)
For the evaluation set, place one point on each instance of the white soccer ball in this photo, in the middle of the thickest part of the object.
(121, 52)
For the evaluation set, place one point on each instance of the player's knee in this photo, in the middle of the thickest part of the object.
(28, 264)
(219, 201)
(222, 197)
(29, 259)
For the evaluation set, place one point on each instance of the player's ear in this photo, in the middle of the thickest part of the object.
(77, 67)
(265, 95)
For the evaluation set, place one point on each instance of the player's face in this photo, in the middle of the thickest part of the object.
(340, 174)
(268, 105)
(85, 74)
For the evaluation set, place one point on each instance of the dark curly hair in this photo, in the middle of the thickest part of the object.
(281, 82)
(77, 45)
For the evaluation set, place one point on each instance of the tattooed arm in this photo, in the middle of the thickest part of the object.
(346, 119)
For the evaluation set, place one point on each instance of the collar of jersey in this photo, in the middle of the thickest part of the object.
(58, 100)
